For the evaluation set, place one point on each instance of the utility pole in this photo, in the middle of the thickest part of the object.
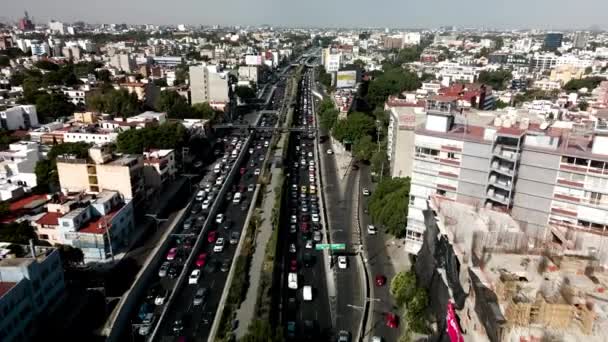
(108, 227)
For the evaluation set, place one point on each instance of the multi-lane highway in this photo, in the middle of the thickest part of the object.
(304, 300)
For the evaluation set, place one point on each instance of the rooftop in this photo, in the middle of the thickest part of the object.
(5, 287)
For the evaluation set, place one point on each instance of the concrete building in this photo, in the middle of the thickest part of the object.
(40, 48)
(542, 62)
(392, 42)
(149, 116)
(159, 167)
(580, 40)
(454, 72)
(123, 62)
(93, 137)
(101, 225)
(547, 85)
(553, 41)
(208, 84)
(249, 73)
(551, 179)
(102, 171)
(32, 286)
(56, 27)
(19, 117)
(565, 73)
(411, 38)
(333, 62)
(400, 139)
(18, 164)
(76, 96)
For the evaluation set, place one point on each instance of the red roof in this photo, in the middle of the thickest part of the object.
(6, 286)
(49, 219)
(97, 226)
(20, 207)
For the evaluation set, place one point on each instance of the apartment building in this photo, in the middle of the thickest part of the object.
(542, 62)
(18, 167)
(550, 178)
(123, 62)
(31, 287)
(159, 167)
(400, 140)
(453, 72)
(102, 171)
(249, 73)
(99, 224)
(208, 84)
(19, 117)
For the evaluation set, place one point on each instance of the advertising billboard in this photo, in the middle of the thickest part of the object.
(253, 60)
(452, 325)
(346, 79)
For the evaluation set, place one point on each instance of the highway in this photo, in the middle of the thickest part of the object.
(303, 319)
(195, 320)
(379, 264)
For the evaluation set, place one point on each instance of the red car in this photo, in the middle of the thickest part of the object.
(392, 320)
(293, 266)
(380, 280)
(304, 227)
(211, 236)
(201, 260)
(242, 171)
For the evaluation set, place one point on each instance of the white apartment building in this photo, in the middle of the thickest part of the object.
(89, 222)
(454, 72)
(18, 164)
(332, 63)
(31, 286)
(552, 180)
(159, 167)
(123, 62)
(542, 62)
(547, 85)
(411, 38)
(400, 139)
(574, 61)
(249, 73)
(19, 117)
(56, 27)
(90, 137)
(208, 84)
(75, 96)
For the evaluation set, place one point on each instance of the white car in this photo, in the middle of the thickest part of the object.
(310, 154)
(307, 293)
(311, 168)
(219, 180)
(371, 230)
(292, 248)
(292, 229)
(329, 151)
(292, 281)
(315, 218)
(193, 279)
(256, 172)
(294, 219)
(309, 244)
(311, 179)
(342, 262)
(219, 218)
(160, 298)
(206, 204)
(376, 339)
(162, 272)
(366, 192)
(219, 245)
(311, 163)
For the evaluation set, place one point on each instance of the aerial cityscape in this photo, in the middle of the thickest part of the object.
(398, 178)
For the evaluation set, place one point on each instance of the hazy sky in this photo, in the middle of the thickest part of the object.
(352, 13)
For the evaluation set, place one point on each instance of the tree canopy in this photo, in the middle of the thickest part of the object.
(389, 203)
(496, 79)
(17, 232)
(328, 114)
(391, 82)
(117, 102)
(354, 127)
(589, 83)
(245, 92)
(177, 107)
(364, 148)
(53, 106)
(167, 135)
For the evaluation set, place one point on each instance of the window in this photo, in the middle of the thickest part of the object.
(412, 200)
(43, 236)
(595, 198)
(597, 164)
(441, 192)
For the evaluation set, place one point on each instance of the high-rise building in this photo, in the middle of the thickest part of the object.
(25, 24)
(553, 41)
(208, 84)
(580, 40)
(552, 180)
(56, 27)
(124, 62)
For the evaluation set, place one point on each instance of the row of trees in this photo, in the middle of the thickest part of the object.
(177, 107)
(392, 81)
(498, 79)
(413, 299)
(116, 101)
(589, 83)
(167, 135)
(389, 203)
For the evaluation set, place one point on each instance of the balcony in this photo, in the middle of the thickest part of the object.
(502, 152)
(503, 168)
(500, 182)
(498, 196)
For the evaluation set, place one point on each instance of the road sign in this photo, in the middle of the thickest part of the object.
(332, 246)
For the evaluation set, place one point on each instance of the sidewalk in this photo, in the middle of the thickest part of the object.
(342, 157)
(245, 313)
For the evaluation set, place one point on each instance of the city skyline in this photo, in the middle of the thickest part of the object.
(315, 13)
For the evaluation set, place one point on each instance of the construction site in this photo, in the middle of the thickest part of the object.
(505, 285)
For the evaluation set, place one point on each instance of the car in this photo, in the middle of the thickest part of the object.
(292, 228)
(200, 296)
(330, 151)
(310, 154)
(293, 219)
(380, 280)
(311, 179)
(206, 203)
(343, 336)
(342, 262)
(307, 293)
(292, 248)
(178, 327)
(187, 224)
(146, 324)
(234, 238)
(201, 260)
(173, 272)
(227, 225)
(256, 172)
(317, 236)
(392, 321)
(212, 266)
(311, 163)
(315, 218)
(376, 339)
(193, 278)
(292, 280)
(162, 272)
(172, 253)
(371, 230)
(219, 180)
(309, 244)
(242, 170)
(293, 265)
(366, 192)
(250, 187)
(291, 329)
(225, 265)
(200, 195)
(161, 297)
(304, 189)
(219, 218)
(219, 245)
(211, 236)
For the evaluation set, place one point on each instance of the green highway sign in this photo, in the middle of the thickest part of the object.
(332, 246)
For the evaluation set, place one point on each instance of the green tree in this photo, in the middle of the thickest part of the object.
(167, 135)
(245, 92)
(364, 148)
(416, 311)
(583, 105)
(70, 256)
(325, 78)
(4, 61)
(5, 208)
(392, 82)
(496, 79)
(46, 65)
(174, 104)
(204, 111)
(261, 331)
(500, 104)
(17, 232)
(117, 102)
(379, 162)
(403, 287)
(389, 203)
(589, 83)
(53, 106)
(354, 127)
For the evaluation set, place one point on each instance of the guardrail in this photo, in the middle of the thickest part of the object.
(199, 241)
(126, 304)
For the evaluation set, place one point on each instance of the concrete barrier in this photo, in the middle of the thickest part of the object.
(199, 241)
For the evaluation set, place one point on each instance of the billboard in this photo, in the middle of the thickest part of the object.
(346, 79)
(253, 60)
